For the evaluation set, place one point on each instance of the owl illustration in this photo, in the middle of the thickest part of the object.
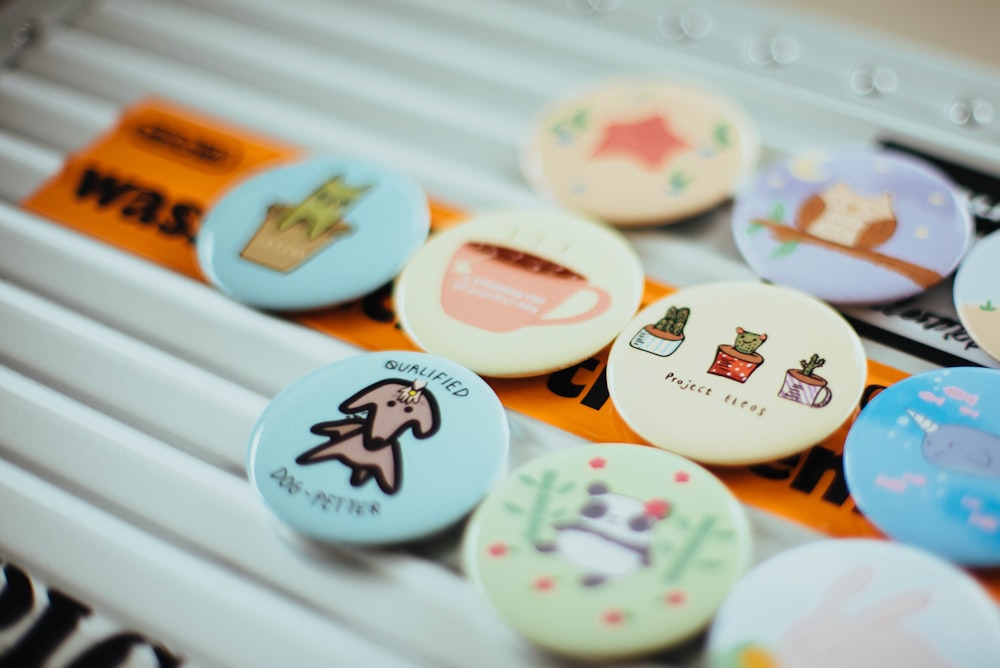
(841, 216)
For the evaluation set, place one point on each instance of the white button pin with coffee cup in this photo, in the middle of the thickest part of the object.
(519, 293)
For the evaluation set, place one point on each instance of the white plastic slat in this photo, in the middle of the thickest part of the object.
(403, 602)
(166, 397)
(348, 89)
(562, 40)
(502, 77)
(124, 74)
(56, 116)
(24, 165)
(173, 313)
(158, 588)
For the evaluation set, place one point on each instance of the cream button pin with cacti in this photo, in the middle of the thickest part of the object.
(726, 373)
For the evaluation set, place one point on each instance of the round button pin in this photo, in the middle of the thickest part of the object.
(859, 603)
(852, 227)
(977, 294)
(736, 373)
(380, 448)
(607, 551)
(519, 293)
(312, 234)
(641, 151)
(922, 462)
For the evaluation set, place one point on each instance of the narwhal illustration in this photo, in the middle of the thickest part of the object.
(959, 448)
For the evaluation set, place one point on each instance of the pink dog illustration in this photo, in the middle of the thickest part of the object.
(369, 444)
(837, 634)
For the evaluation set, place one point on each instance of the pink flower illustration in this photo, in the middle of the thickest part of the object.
(657, 508)
(598, 463)
(613, 617)
(675, 597)
(682, 476)
(497, 550)
(545, 583)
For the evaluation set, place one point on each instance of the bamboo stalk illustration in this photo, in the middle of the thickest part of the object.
(690, 548)
(540, 506)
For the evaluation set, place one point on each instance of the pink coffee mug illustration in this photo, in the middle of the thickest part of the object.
(804, 386)
(839, 632)
(501, 289)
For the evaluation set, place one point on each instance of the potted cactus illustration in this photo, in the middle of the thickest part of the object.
(665, 336)
(291, 235)
(738, 361)
(804, 386)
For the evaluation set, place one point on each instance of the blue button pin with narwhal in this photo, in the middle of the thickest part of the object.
(379, 448)
(922, 461)
(313, 233)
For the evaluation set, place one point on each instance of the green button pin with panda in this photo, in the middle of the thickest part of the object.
(608, 551)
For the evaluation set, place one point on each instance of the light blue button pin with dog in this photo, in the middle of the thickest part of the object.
(313, 233)
(922, 461)
(380, 448)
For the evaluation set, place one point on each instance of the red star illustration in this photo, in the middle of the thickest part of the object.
(647, 140)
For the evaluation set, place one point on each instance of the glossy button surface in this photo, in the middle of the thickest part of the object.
(607, 551)
(311, 234)
(977, 294)
(641, 151)
(519, 293)
(858, 603)
(923, 463)
(380, 448)
(735, 373)
(852, 227)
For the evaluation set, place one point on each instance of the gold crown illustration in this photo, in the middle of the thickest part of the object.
(412, 394)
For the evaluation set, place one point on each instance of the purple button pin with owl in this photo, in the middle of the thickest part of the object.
(922, 461)
(853, 227)
(379, 448)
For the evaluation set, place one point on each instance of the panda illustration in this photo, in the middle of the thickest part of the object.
(610, 536)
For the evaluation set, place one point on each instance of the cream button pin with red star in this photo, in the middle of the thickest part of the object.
(736, 373)
(641, 151)
(608, 551)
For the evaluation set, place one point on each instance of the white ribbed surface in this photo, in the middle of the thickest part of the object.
(125, 391)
